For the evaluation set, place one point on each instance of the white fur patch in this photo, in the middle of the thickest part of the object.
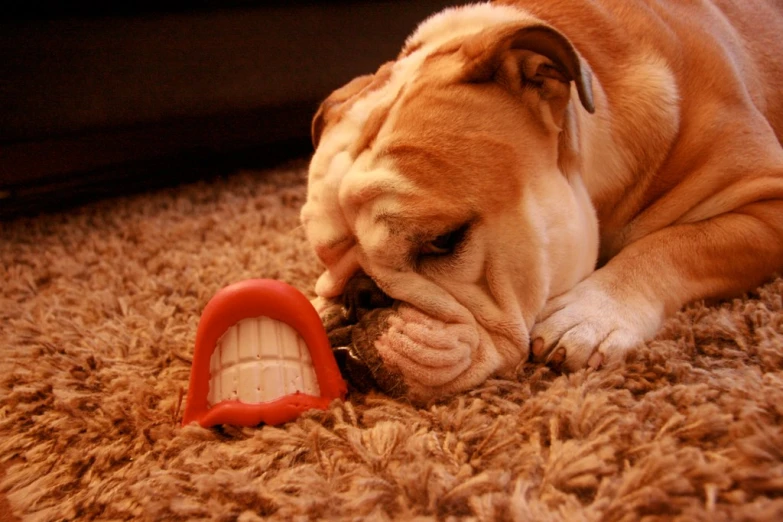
(608, 165)
(462, 21)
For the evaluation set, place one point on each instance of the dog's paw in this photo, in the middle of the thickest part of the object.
(589, 326)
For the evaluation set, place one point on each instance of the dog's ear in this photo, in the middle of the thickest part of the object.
(329, 111)
(535, 56)
(332, 109)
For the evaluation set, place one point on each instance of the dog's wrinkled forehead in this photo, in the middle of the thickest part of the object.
(340, 179)
(349, 182)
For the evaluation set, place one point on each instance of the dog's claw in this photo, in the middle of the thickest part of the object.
(595, 361)
(558, 357)
(537, 346)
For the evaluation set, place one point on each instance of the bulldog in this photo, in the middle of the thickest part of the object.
(546, 179)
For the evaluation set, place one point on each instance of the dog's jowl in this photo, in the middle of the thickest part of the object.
(547, 179)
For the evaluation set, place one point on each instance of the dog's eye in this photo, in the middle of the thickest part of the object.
(445, 244)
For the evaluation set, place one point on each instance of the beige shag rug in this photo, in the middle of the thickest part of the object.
(98, 313)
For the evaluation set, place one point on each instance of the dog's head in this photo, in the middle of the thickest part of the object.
(444, 199)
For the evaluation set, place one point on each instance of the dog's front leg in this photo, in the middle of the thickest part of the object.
(624, 303)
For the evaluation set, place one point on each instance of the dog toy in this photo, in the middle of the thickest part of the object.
(261, 356)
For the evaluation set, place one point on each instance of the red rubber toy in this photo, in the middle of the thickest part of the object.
(261, 356)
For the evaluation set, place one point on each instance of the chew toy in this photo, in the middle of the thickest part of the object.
(261, 356)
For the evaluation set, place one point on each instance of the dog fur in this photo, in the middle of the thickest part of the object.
(554, 177)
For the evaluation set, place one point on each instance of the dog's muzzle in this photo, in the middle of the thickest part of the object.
(353, 323)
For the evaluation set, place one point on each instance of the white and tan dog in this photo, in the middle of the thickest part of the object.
(554, 176)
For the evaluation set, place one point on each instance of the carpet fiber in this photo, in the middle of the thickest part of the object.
(98, 311)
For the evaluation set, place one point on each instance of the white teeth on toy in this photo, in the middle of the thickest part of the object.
(259, 360)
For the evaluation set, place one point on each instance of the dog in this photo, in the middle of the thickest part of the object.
(548, 180)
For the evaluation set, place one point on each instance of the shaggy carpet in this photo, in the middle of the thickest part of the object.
(99, 307)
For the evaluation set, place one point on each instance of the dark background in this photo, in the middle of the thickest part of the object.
(99, 100)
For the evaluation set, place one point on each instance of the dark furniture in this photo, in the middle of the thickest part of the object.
(105, 100)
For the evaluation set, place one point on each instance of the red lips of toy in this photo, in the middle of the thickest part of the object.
(253, 299)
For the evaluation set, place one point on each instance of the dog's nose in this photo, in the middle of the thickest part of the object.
(361, 295)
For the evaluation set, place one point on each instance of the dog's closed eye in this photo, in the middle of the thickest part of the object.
(445, 244)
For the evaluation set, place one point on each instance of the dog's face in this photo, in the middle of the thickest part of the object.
(447, 179)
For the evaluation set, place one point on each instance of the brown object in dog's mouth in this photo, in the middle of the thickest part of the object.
(352, 337)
